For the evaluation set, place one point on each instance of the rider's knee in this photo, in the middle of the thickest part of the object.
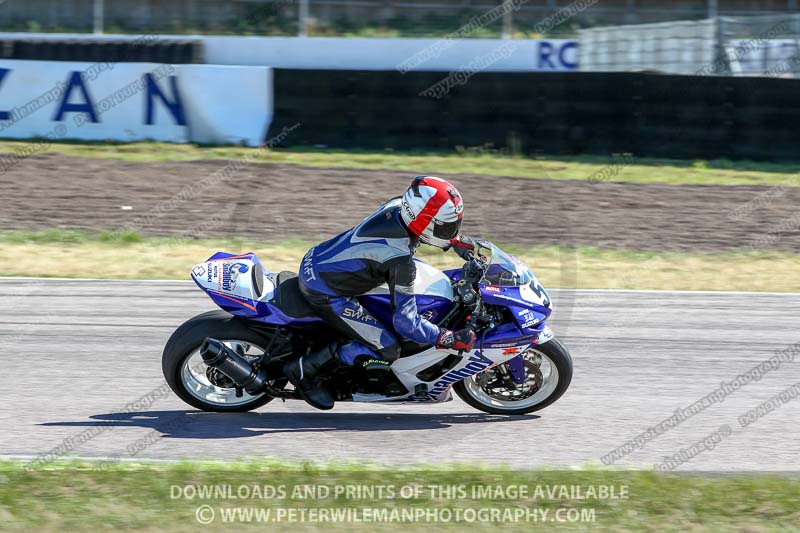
(350, 351)
(390, 353)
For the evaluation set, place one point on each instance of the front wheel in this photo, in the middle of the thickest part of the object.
(548, 372)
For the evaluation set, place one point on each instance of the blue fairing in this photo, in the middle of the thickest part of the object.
(454, 273)
(230, 281)
(508, 336)
(226, 255)
(254, 309)
(511, 296)
(277, 317)
(431, 308)
(226, 278)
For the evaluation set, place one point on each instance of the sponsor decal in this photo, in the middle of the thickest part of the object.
(503, 345)
(198, 271)
(528, 319)
(492, 288)
(521, 343)
(530, 323)
(308, 266)
(229, 275)
(409, 211)
(510, 351)
(359, 314)
(381, 362)
(477, 363)
(428, 315)
(459, 208)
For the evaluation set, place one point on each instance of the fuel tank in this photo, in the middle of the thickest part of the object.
(433, 290)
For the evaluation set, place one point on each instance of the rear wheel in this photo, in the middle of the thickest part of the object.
(548, 372)
(198, 384)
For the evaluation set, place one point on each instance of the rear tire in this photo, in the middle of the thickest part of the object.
(559, 357)
(186, 341)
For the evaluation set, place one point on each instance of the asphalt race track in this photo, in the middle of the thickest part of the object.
(75, 352)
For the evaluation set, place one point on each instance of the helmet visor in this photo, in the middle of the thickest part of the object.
(446, 230)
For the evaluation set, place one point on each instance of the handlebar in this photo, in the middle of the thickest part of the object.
(473, 270)
(467, 287)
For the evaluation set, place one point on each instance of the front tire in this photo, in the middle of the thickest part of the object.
(186, 373)
(548, 388)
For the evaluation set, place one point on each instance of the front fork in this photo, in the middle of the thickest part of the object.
(516, 366)
(514, 369)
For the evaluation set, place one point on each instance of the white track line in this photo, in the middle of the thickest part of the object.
(641, 291)
(98, 459)
(112, 280)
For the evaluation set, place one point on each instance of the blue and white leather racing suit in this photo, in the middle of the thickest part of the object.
(379, 250)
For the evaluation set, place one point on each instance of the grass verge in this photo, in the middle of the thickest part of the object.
(78, 496)
(74, 254)
(463, 161)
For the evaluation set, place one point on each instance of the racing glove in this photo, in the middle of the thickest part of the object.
(463, 246)
(463, 339)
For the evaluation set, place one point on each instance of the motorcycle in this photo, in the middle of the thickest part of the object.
(232, 359)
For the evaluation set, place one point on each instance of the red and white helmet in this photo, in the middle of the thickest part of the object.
(432, 210)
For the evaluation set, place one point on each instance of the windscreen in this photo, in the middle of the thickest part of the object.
(506, 270)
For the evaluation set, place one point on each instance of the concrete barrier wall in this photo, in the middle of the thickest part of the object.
(393, 54)
(494, 55)
(544, 113)
(536, 112)
(146, 49)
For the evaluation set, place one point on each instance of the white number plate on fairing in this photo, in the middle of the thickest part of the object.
(546, 335)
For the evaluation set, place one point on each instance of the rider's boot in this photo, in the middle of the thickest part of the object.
(371, 368)
(305, 373)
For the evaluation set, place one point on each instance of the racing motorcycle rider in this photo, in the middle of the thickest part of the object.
(378, 250)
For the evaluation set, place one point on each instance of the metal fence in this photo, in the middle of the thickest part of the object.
(399, 18)
(767, 45)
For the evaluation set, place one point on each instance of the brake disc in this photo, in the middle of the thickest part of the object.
(499, 391)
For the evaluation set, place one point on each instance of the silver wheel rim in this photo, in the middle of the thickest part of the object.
(195, 381)
(549, 384)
